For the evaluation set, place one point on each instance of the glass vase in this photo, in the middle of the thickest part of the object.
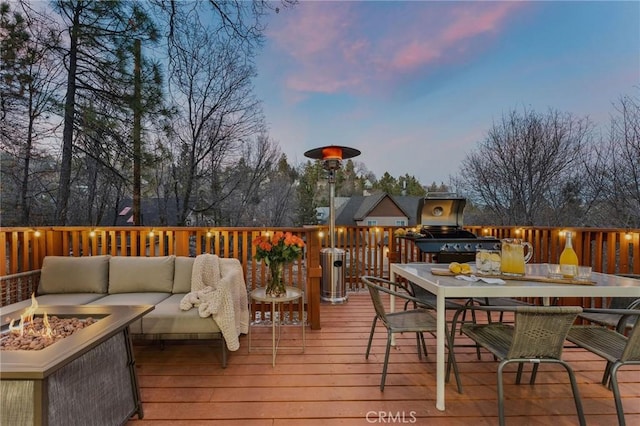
(275, 284)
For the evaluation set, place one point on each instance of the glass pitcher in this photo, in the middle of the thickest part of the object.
(514, 257)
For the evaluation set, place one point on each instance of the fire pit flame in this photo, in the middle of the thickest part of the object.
(47, 332)
(27, 318)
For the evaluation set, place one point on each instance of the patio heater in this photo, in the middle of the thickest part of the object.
(332, 259)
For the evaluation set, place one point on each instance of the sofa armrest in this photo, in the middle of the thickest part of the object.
(19, 287)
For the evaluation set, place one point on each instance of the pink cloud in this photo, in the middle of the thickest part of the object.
(414, 55)
(356, 47)
(311, 28)
(470, 21)
(459, 24)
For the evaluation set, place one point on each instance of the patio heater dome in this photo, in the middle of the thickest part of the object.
(332, 152)
(331, 258)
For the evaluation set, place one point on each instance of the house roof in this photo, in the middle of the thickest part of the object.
(154, 211)
(358, 207)
(410, 205)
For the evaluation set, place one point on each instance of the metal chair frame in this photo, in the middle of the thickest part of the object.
(417, 320)
(428, 301)
(612, 345)
(537, 336)
(612, 320)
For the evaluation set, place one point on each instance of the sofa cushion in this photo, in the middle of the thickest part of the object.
(53, 299)
(142, 298)
(70, 299)
(168, 318)
(146, 298)
(64, 274)
(141, 274)
(182, 275)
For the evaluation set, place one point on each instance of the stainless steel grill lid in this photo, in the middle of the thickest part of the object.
(441, 209)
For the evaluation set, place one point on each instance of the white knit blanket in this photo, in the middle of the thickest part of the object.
(224, 298)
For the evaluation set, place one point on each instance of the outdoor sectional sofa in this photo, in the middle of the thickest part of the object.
(159, 281)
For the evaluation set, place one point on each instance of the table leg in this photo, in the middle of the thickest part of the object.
(392, 304)
(251, 319)
(301, 319)
(440, 358)
(273, 333)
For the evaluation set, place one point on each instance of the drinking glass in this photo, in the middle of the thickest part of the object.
(584, 273)
(553, 271)
(488, 262)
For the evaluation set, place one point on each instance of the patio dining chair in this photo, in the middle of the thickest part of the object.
(537, 336)
(613, 320)
(428, 300)
(613, 346)
(417, 320)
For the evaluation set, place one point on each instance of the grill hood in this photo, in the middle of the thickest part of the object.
(441, 209)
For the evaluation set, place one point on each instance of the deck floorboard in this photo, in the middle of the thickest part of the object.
(333, 384)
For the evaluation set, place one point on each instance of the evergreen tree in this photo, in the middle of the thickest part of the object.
(97, 75)
(388, 184)
(411, 186)
(305, 194)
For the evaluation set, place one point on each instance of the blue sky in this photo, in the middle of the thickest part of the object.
(415, 85)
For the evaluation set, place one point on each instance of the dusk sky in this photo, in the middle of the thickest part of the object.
(415, 85)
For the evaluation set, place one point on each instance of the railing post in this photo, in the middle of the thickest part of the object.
(54, 243)
(314, 275)
(182, 243)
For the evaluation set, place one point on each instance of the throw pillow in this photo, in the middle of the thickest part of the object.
(64, 274)
(129, 274)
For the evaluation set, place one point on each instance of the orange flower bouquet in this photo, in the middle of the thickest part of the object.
(276, 250)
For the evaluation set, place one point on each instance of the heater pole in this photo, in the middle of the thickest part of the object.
(332, 229)
(332, 210)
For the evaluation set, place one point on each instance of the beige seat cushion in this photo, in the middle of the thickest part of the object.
(132, 299)
(142, 298)
(141, 274)
(168, 318)
(71, 299)
(63, 274)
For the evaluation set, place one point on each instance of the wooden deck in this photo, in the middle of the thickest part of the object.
(332, 383)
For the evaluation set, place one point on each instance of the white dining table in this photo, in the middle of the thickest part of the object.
(606, 285)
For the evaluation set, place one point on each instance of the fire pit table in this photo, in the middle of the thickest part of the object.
(85, 378)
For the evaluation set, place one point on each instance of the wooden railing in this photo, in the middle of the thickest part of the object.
(367, 250)
(24, 250)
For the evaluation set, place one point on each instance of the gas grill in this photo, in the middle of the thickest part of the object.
(441, 234)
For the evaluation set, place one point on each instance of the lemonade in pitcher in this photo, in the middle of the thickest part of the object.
(514, 257)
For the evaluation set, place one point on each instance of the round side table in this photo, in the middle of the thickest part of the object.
(293, 293)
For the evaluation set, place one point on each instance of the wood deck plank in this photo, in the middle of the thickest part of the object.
(332, 383)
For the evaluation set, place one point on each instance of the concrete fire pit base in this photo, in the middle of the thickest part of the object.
(87, 378)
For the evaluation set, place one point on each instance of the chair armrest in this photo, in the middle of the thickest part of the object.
(633, 311)
(486, 308)
(525, 309)
(371, 280)
(635, 304)
(625, 314)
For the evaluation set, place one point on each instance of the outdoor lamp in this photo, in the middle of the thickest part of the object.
(332, 157)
